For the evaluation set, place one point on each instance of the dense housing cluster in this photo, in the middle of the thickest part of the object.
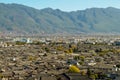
(60, 58)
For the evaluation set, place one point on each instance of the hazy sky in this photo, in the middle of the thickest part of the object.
(66, 5)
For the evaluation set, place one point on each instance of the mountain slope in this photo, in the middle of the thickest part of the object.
(23, 19)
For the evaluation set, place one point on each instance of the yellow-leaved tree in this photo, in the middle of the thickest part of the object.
(73, 68)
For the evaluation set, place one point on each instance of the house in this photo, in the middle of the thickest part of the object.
(75, 76)
(73, 62)
(46, 77)
(92, 63)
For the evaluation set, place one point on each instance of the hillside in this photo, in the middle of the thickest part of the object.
(23, 19)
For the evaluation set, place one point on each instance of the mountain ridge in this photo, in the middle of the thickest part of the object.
(23, 19)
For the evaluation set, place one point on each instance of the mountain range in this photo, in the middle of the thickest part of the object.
(23, 19)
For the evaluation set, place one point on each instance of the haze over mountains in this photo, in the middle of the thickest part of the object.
(23, 19)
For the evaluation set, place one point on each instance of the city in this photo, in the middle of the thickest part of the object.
(60, 58)
(59, 39)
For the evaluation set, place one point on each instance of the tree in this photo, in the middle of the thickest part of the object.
(75, 50)
(47, 49)
(31, 58)
(82, 58)
(70, 50)
(92, 77)
(83, 73)
(118, 65)
(89, 72)
(73, 68)
(76, 57)
(20, 43)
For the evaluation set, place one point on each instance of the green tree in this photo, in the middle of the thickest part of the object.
(47, 49)
(82, 58)
(89, 72)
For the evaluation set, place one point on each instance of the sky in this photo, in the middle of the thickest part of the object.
(66, 5)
